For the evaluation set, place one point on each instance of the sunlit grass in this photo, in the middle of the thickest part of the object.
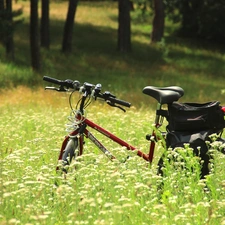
(125, 191)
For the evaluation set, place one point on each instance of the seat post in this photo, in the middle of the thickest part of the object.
(153, 136)
(157, 118)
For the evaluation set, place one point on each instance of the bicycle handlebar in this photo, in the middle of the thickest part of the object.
(52, 80)
(67, 83)
(108, 97)
(120, 102)
(96, 90)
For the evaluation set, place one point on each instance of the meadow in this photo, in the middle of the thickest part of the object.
(98, 191)
(32, 124)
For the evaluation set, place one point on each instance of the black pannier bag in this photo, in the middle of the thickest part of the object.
(195, 116)
(193, 123)
(196, 141)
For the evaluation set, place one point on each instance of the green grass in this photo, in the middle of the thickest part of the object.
(102, 192)
(99, 191)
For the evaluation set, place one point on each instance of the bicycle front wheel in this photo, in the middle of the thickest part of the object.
(69, 153)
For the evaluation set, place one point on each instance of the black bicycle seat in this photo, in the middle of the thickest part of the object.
(164, 95)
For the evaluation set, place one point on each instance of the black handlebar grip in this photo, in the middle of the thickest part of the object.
(52, 80)
(120, 102)
(66, 83)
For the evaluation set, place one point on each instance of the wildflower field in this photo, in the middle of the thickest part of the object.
(98, 191)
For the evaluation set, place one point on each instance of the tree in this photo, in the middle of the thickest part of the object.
(124, 29)
(2, 5)
(9, 43)
(7, 27)
(34, 36)
(2, 20)
(158, 21)
(68, 27)
(45, 40)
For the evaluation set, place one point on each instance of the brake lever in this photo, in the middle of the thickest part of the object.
(117, 106)
(60, 89)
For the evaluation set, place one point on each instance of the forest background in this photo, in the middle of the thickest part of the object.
(189, 52)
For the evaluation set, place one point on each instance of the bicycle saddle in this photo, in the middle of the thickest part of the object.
(164, 95)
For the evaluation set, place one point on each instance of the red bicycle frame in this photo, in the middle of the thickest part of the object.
(87, 123)
(162, 95)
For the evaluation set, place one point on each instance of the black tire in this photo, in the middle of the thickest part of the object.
(69, 153)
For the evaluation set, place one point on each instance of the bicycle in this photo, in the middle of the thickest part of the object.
(73, 144)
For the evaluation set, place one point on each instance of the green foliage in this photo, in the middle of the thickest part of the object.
(12, 75)
(142, 11)
(202, 19)
(212, 21)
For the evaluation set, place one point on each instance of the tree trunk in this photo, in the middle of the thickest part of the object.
(68, 28)
(124, 29)
(2, 10)
(34, 36)
(2, 7)
(2, 20)
(45, 40)
(9, 43)
(158, 21)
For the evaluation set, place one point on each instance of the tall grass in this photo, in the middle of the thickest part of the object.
(98, 191)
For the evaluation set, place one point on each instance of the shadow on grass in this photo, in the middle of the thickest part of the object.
(98, 47)
(95, 58)
(88, 41)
